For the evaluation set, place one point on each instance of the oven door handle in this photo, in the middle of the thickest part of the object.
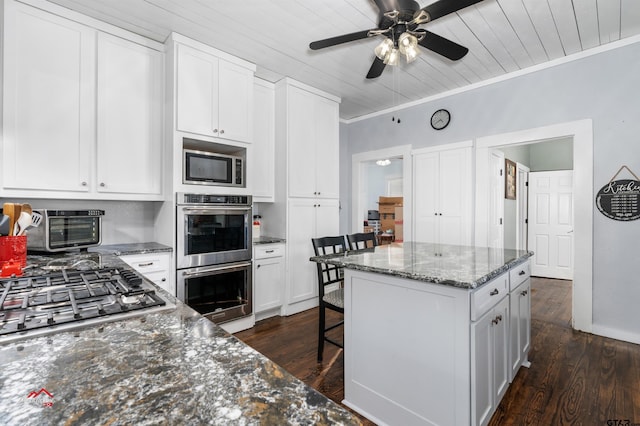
(201, 271)
(214, 208)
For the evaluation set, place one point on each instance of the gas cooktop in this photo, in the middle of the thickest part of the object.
(57, 301)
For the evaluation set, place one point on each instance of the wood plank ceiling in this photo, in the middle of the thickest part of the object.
(503, 36)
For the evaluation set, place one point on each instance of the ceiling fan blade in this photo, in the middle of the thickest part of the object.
(376, 68)
(443, 46)
(345, 38)
(444, 7)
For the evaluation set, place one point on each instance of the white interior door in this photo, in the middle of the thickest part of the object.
(496, 200)
(551, 223)
(522, 207)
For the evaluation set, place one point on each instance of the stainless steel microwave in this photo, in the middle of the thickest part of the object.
(207, 168)
(62, 230)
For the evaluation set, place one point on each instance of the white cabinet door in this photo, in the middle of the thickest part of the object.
(308, 218)
(262, 168)
(268, 283)
(327, 149)
(426, 197)
(454, 195)
(442, 193)
(489, 362)
(520, 325)
(49, 112)
(302, 228)
(235, 102)
(197, 91)
(129, 102)
(301, 149)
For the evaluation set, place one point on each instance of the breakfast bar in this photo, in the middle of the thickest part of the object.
(433, 333)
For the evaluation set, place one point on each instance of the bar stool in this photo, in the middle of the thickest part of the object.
(361, 240)
(328, 275)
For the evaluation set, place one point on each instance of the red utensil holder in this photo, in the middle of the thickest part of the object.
(13, 255)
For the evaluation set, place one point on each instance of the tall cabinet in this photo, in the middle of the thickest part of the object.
(442, 194)
(307, 184)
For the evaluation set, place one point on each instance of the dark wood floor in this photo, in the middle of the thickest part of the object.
(575, 378)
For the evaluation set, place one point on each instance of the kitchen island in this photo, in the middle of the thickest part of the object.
(169, 367)
(433, 333)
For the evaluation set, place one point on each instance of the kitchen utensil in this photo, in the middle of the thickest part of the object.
(36, 218)
(22, 224)
(9, 209)
(27, 208)
(4, 225)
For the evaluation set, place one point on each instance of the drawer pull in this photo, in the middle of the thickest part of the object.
(163, 280)
(142, 265)
(269, 251)
(494, 292)
(258, 266)
(524, 293)
(521, 273)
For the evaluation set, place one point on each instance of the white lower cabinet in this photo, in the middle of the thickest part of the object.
(268, 279)
(520, 319)
(155, 267)
(489, 361)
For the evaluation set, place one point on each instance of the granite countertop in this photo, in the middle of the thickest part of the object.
(169, 367)
(263, 239)
(131, 248)
(459, 266)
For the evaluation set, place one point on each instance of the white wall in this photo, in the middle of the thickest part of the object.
(598, 87)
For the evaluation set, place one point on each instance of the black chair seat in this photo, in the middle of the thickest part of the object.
(335, 298)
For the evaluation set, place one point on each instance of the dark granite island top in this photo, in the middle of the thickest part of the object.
(171, 367)
(458, 266)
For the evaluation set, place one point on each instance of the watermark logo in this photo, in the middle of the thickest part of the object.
(41, 398)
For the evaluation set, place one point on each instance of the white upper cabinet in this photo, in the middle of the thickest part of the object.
(129, 86)
(442, 194)
(48, 101)
(262, 169)
(312, 129)
(82, 110)
(214, 96)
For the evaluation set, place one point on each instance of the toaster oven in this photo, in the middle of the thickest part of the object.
(66, 229)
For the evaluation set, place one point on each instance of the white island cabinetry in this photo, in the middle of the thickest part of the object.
(154, 266)
(451, 366)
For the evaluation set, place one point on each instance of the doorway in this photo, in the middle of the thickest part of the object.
(364, 192)
(581, 133)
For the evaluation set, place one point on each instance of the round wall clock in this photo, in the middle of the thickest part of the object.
(440, 119)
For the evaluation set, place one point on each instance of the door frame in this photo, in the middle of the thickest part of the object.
(358, 185)
(582, 133)
(522, 213)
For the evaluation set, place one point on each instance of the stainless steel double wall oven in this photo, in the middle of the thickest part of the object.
(213, 254)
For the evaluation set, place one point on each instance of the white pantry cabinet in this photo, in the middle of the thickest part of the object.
(81, 108)
(214, 96)
(312, 132)
(308, 218)
(442, 193)
(262, 168)
(268, 279)
(155, 267)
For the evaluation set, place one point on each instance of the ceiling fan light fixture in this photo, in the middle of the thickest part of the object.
(393, 57)
(407, 41)
(383, 50)
(411, 54)
(384, 162)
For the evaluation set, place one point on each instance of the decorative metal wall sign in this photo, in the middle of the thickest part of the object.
(620, 199)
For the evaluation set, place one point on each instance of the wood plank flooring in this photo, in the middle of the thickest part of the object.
(575, 378)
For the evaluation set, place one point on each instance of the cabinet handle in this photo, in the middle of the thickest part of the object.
(221, 131)
(142, 265)
(215, 130)
(494, 292)
(258, 266)
(269, 251)
(439, 214)
(435, 214)
(524, 292)
(84, 183)
(495, 321)
(521, 272)
(164, 279)
(102, 184)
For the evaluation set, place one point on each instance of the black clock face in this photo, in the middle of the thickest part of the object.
(440, 119)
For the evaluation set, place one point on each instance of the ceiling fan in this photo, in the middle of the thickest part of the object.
(398, 22)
